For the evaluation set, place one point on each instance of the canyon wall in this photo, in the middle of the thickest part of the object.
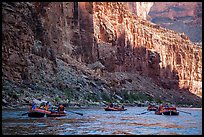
(140, 9)
(38, 36)
(128, 43)
(34, 35)
(179, 16)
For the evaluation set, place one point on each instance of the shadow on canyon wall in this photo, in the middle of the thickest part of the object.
(127, 57)
(130, 58)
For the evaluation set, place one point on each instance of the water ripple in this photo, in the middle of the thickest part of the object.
(100, 122)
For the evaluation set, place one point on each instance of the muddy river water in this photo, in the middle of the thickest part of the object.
(97, 121)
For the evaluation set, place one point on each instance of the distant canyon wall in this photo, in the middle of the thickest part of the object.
(179, 16)
(36, 34)
(140, 9)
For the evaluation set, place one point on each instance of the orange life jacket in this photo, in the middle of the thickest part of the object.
(46, 107)
(172, 108)
(61, 107)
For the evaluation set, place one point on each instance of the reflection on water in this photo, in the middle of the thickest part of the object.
(98, 121)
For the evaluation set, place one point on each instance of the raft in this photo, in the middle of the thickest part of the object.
(154, 108)
(38, 113)
(56, 114)
(167, 112)
(114, 109)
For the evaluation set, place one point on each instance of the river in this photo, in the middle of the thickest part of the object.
(97, 121)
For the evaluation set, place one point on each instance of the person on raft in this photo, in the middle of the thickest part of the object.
(111, 105)
(32, 106)
(61, 108)
(161, 107)
(122, 107)
(42, 105)
(47, 106)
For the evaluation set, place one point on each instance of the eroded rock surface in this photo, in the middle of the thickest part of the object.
(47, 47)
(179, 16)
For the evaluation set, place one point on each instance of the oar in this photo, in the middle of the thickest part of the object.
(144, 109)
(184, 112)
(24, 114)
(142, 113)
(75, 112)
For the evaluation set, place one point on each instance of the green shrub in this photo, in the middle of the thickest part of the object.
(158, 100)
(135, 96)
(57, 99)
(92, 97)
(69, 93)
(106, 97)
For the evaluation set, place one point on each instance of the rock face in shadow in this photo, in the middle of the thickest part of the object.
(47, 46)
(137, 45)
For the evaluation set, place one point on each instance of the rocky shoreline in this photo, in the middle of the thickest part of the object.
(88, 106)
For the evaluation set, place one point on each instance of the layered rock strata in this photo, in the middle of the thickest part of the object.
(179, 16)
(133, 44)
(38, 37)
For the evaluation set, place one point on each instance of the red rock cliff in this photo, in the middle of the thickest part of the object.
(37, 35)
(179, 16)
(128, 43)
(140, 9)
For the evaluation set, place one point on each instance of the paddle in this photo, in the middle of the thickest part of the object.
(184, 112)
(144, 109)
(143, 113)
(24, 114)
(75, 112)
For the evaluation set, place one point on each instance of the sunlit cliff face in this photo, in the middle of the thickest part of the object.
(41, 33)
(141, 9)
(128, 43)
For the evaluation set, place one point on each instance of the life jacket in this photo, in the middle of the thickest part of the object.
(172, 108)
(30, 108)
(46, 107)
(61, 108)
(161, 107)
